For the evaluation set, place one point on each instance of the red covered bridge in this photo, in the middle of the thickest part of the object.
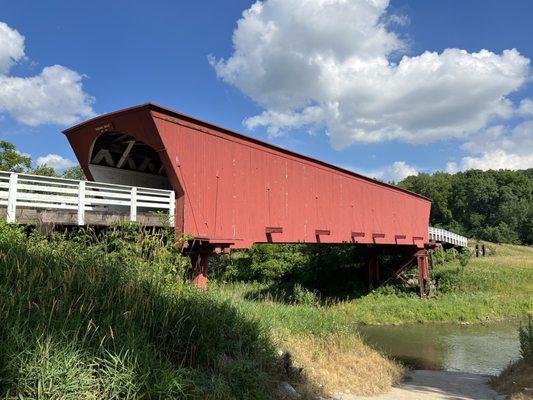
(233, 190)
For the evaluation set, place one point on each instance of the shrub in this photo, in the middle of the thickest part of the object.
(303, 296)
(464, 256)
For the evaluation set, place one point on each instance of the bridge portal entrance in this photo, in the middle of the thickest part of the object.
(121, 159)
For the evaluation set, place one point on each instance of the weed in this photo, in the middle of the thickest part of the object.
(525, 335)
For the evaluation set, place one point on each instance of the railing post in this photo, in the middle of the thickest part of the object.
(12, 198)
(172, 208)
(133, 204)
(81, 203)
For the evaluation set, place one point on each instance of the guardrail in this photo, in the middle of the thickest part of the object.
(43, 192)
(442, 235)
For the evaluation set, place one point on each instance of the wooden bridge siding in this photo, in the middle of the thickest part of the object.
(303, 196)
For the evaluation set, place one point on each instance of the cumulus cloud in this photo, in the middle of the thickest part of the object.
(497, 159)
(55, 161)
(395, 172)
(329, 63)
(11, 47)
(526, 108)
(499, 147)
(55, 96)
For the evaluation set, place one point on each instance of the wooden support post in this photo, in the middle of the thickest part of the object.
(12, 198)
(373, 268)
(81, 203)
(172, 208)
(133, 204)
(423, 270)
(200, 266)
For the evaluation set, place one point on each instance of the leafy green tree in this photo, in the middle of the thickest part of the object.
(44, 170)
(489, 205)
(75, 172)
(11, 159)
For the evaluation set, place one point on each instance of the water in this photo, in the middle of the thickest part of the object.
(477, 348)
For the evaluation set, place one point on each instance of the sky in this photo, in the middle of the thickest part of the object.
(384, 88)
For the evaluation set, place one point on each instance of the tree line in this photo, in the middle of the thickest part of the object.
(13, 160)
(490, 205)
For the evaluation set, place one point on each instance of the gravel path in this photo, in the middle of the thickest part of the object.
(439, 385)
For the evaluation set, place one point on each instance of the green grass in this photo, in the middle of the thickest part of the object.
(490, 288)
(106, 318)
(110, 316)
(86, 317)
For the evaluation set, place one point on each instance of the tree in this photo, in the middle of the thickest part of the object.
(75, 172)
(12, 160)
(490, 205)
(44, 170)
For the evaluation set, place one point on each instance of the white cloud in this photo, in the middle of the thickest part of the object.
(55, 161)
(499, 147)
(23, 154)
(55, 96)
(497, 159)
(11, 47)
(396, 172)
(327, 63)
(526, 108)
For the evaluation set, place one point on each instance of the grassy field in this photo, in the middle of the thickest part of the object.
(324, 338)
(488, 288)
(87, 317)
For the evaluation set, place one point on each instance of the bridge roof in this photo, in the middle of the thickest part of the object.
(151, 106)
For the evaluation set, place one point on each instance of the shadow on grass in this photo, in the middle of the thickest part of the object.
(323, 286)
(296, 293)
(78, 323)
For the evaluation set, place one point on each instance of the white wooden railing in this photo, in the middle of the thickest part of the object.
(442, 235)
(43, 192)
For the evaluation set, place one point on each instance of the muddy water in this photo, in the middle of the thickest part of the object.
(477, 348)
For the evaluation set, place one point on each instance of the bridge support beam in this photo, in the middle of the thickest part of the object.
(423, 271)
(373, 268)
(200, 266)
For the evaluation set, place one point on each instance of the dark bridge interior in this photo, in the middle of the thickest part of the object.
(120, 158)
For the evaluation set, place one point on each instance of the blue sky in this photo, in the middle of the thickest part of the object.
(372, 88)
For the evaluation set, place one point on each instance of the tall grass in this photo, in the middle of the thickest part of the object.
(87, 317)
